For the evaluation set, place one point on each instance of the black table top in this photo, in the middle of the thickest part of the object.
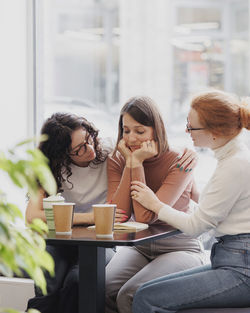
(83, 236)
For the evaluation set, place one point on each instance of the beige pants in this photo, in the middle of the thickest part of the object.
(133, 266)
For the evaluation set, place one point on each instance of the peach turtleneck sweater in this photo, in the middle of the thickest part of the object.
(172, 186)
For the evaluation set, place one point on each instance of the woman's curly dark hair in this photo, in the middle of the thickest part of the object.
(59, 128)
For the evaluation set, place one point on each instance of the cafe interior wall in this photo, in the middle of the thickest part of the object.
(15, 83)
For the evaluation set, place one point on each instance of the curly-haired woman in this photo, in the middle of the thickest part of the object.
(77, 158)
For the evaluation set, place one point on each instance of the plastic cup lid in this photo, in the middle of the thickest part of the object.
(64, 203)
(54, 198)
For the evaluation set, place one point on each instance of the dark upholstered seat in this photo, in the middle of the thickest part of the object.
(219, 310)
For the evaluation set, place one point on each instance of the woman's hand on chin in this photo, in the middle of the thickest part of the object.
(148, 150)
(145, 196)
(124, 150)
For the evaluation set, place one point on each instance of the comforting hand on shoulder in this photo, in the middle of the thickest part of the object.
(187, 160)
(148, 150)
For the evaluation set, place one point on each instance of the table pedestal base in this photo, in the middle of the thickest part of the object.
(92, 279)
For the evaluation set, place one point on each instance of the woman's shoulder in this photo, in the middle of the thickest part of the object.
(178, 157)
(171, 154)
(116, 156)
(180, 150)
(174, 151)
(116, 161)
(166, 159)
(238, 162)
(234, 169)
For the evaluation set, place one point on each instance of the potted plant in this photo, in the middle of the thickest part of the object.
(23, 248)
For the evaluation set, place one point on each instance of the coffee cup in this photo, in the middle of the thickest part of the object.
(63, 217)
(48, 209)
(104, 215)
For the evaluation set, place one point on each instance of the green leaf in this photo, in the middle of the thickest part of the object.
(46, 179)
(38, 223)
(5, 270)
(4, 232)
(14, 177)
(24, 249)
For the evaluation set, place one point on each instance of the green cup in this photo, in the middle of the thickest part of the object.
(48, 209)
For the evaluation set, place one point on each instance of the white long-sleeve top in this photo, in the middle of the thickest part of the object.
(225, 201)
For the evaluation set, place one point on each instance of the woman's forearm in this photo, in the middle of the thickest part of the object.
(83, 218)
(142, 214)
(119, 190)
(35, 208)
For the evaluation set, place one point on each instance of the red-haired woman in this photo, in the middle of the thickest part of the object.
(215, 120)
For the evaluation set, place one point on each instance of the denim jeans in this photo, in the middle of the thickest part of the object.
(226, 283)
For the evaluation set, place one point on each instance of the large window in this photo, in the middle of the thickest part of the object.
(92, 55)
(77, 59)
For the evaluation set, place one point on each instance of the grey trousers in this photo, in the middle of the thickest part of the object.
(133, 266)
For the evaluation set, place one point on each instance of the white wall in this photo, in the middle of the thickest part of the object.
(13, 73)
(14, 92)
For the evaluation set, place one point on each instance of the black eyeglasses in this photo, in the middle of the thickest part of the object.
(189, 129)
(81, 150)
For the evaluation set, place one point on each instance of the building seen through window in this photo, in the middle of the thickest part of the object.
(92, 55)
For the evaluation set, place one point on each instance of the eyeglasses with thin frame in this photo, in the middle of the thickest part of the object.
(81, 150)
(189, 129)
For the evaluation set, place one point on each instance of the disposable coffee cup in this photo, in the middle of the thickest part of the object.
(63, 217)
(104, 215)
(48, 209)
